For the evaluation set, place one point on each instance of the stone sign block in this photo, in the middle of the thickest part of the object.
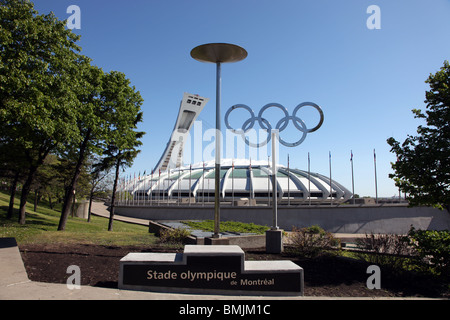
(214, 269)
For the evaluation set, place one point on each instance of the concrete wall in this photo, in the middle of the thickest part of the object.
(340, 219)
(82, 209)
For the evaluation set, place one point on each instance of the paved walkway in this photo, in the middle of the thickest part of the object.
(15, 285)
(99, 209)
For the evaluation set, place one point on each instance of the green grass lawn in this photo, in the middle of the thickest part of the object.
(227, 226)
(41, 227)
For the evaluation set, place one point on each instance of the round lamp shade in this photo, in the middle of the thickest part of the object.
(219, 53)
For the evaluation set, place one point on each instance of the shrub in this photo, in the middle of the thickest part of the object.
(174, 236)
(311, 242)
(420, 250)
(433, 248)
(385, 249)
(385, 244)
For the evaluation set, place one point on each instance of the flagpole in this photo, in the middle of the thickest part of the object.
(137, 186)
(179, 182)
(168, 184)
(145, 189)
(232, 183)
(331, 188)
(164, 194)
(203, 185)
(353, 179)
(134, 186)
(268, 181)
(309, 179)
(151, 189)
(376, 183)
(289, 191)
(190, 175)
(123, 190)
(120, 192)
(159, 188)
(250, 179)
(128, 188)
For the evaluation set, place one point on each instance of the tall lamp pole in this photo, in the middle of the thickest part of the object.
(218, 53)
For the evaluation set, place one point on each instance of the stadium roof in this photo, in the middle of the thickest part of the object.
(239, 179)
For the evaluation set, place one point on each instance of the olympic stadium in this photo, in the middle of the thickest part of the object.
(242, 182)
(174, 191)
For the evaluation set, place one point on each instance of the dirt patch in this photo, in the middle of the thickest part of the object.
(324, 276)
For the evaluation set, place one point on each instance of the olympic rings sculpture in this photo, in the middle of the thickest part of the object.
(281, 125)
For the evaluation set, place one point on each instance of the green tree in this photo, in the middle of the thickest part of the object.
(45, 179)
(422, 169)
(39, 63)
(99, 181)
(92, 124)
(112, 112)
(121, 147)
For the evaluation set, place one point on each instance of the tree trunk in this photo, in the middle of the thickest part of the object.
(91, 195)
(113, 197)
(26, 188)
(50, 202)
(69, 196)
(36, 192)
(12, 196)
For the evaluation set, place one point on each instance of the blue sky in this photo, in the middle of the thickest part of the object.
(366, 81)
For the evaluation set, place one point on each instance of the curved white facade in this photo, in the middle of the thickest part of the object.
(240, 179)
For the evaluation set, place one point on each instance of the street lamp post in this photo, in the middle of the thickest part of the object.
(218, 53)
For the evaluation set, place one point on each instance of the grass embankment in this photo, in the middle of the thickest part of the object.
(41, 228)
